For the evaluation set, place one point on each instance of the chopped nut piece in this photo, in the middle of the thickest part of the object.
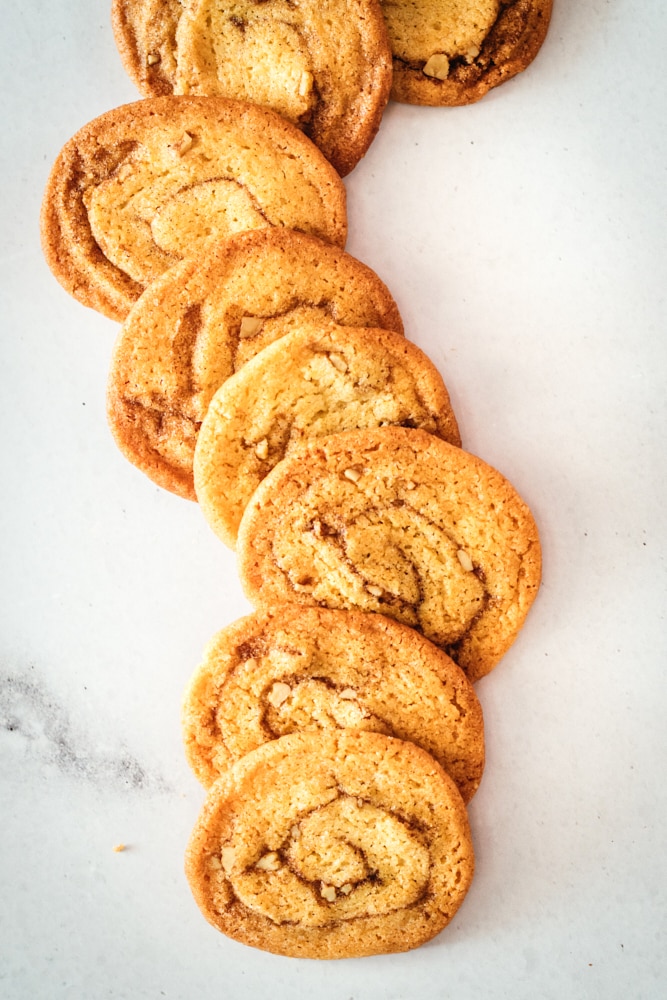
(269, 863)
(375, 591)
(279, 693)
(349, 694)
(250, 327)
(184, 144)
(214, 861)
(317, 528)
(305, 83)
(152, 58)
(346, 889)
(360, 803)
(410, 485)
(437, 66)
(328, 892)
(262, 449)
(118, 848)
(228, 857)
(296, 832)
(338, 362)
(465, 560)
(354, 475)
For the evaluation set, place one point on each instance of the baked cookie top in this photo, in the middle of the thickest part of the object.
(206, 316)
(325, 65)
(449, 52)
(148, 183)
(332, 845)
(292, 669)
(310, 383)
(398, 522)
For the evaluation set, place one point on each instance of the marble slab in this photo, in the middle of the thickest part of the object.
(524, 240)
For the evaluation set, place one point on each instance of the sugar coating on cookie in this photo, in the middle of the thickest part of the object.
(149, 183)
(292, 669)
(398, 522)
(206, 317)
(450, 52)
(309, 384)
(332, 845)
(325, 65)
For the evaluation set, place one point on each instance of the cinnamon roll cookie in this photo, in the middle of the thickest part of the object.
(449, 52)
(146, 184)
(399, 522)
(325, 65)
(309, 384)
(332, 845)
(205, 317)
(291, 669)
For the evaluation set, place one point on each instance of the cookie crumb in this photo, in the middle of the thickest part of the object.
(118, 848)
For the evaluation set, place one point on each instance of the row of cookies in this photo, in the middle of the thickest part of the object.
(137, 190)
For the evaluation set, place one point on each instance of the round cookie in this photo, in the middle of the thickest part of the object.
(149, 183)
(332, 845)
(310, 383)
(398, 522)
(451, 52)
(205, 317)
(324, 65)
(292, 669)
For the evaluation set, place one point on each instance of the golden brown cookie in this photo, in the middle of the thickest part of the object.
(398, 522)
(149, 183)
(309, 384)
(205, 317)
(292, 669)
(449, 52)
(332, 845)
(325, 65)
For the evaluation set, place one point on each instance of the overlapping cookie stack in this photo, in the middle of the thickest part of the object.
(263, 371)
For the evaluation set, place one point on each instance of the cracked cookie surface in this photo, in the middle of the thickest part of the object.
(205, 318)
(451, 52)
(398, 522)
(332, 845)
(308, 384)
(325, 65)
(292, 669)
(141, 186)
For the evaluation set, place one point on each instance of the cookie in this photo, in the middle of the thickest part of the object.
(205, 317)
(309, 384)
(453, 53)
(324, 66)
(398, 522)
(292, 669)
(146, 184)
(332, 845)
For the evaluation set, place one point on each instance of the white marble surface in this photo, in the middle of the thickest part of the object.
(524, 240)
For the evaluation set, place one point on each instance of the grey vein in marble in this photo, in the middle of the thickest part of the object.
(29, 715)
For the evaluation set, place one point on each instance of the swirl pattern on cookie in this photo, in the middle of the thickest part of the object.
(292, 669)
(205, 317)
(325, 65)
(332, 845)
(309, 384)
(139, 187)
(398, 522)
(451, 52)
